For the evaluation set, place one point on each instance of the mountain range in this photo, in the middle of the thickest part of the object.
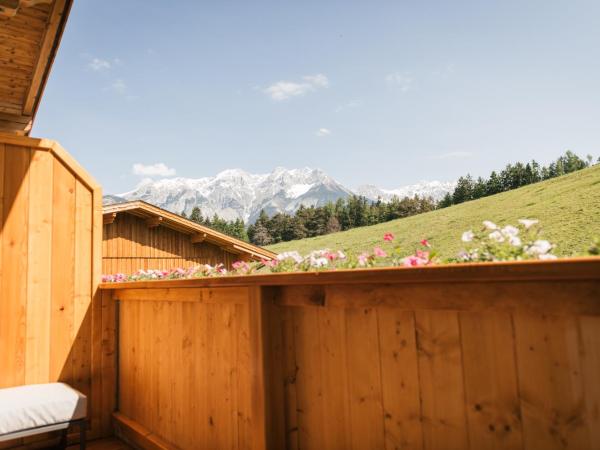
(234, 193)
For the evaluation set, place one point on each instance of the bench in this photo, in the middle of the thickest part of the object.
(39, 408)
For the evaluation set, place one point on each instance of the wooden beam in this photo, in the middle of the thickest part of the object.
(251, 253)
(108, 218)
(198, 238)
(48, 47)
(153, 222)
(230, 248)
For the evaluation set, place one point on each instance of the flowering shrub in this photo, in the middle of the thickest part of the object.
(490, 243)
(508, 243)
(172, 274)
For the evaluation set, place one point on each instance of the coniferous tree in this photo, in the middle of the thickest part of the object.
(196, 215)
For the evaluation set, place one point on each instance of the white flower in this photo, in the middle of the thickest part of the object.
(341, 254)
(515, 241)
(509, 230)
(290, 255)
(490, 225)
(318, 262)
(468, 236)
(496, 236)
(539, 247)
(547, 256)
(528, 223)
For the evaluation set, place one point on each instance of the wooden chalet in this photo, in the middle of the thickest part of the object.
(138, 235)
(463, 356)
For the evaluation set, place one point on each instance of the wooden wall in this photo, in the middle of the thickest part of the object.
(50, 236)
(367, 362)
(129, 245)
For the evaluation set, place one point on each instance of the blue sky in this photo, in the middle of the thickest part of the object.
(387, 93)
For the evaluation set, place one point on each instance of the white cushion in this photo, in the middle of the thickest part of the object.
(27, 408)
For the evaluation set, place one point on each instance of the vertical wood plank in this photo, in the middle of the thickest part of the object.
(290, 374)
(13, 288)
(108, 363)
(334, 378)
(201, 387)
(83, 288)
(63, 273)
(364, 371)
(274, 370)
(492, 393)
(400, 379)
(550, 382)
(441, 375)
(39, 268)
(308, 381)
(256, 328)
(590, 366)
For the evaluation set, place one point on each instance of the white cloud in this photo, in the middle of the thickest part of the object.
(401, 79)
(318, 80)
(97, 64)
(152, 170)
(322, 132)
(453, 155)
(283, 90)
(119, 86)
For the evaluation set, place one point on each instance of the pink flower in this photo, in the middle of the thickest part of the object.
(425, 243)
(363, 259)
(411, 261)
(270, 262)
(389, 237)
(331, 256)
(414, 260)
(379, 252)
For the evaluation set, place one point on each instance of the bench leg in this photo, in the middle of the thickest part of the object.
(82, 433)
(63, 439)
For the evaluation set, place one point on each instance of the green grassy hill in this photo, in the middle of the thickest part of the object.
(568, 208)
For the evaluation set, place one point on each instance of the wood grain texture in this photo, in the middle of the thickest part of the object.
(365, 366)
(186, 369)
(130, 245)
(48, 272)
(28, 43)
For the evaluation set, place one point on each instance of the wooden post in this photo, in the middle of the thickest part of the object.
(257, 368)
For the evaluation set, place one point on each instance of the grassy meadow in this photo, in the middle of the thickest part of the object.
(568, 208)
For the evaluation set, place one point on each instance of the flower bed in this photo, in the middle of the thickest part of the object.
(490, 243)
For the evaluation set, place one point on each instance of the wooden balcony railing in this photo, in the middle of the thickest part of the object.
(471, 356)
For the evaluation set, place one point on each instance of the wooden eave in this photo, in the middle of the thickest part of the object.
(29, 41)
(154, 216)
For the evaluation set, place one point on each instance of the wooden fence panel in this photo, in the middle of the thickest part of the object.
(49, 271)
(510, 363)
(184, 368)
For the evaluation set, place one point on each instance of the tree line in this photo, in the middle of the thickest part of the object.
(344, 214)
(234, 228)
(513, 176)
(358, 211)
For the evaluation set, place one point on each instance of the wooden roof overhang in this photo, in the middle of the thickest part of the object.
(30, 33)
(155, 216)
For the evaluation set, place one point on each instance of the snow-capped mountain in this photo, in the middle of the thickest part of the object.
(236, 194)
(433, 189)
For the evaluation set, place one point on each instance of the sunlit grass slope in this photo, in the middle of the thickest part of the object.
(568, 208)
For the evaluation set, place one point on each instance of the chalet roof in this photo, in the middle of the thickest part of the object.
(198, 233)
(30, 32)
